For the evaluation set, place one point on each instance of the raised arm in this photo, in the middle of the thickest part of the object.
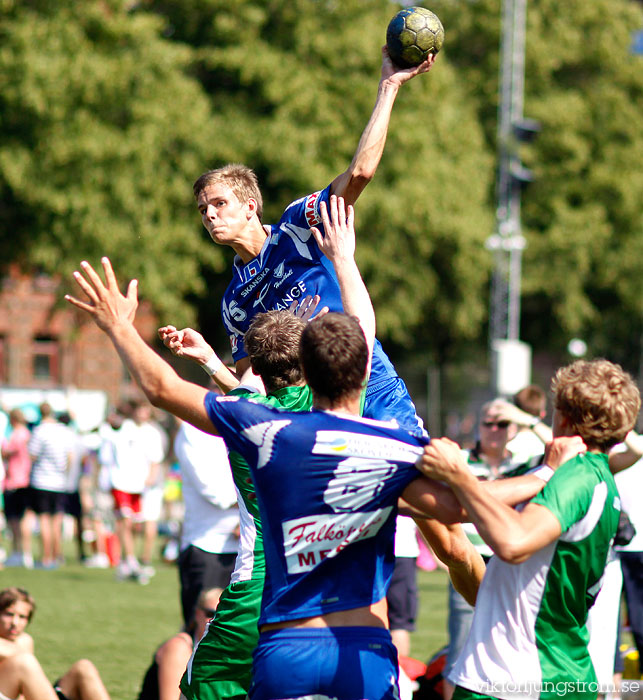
(371, 144)
(623, 459)
(338, 245)
(114, 314)
(191, 345)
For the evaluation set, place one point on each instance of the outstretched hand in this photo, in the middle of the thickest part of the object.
(186, 343)
(106, 305)
(397, 76)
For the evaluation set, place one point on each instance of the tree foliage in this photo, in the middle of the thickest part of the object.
(102, 130)
(109, 110)
(582, 216)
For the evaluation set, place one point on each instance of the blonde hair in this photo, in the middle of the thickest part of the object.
(599, 399)
(239, 178)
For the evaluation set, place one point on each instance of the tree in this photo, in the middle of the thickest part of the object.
(292, 85)
(582, 215)
(102, 135)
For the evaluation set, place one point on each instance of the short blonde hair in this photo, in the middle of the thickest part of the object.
(239, 178)
(599, 399)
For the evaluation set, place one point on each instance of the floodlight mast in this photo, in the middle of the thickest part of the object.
(507, 243)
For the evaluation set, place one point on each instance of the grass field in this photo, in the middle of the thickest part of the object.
(86, 613)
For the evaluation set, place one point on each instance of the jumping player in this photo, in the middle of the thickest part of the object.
(221, 663)
(528, 638)
(276, 264)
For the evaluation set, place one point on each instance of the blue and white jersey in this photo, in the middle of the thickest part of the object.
(289, 267)
(327, 487)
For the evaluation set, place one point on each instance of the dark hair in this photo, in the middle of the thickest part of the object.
(272, 343)
(531, 399)
(9, 596)
(334, 355)
(599, 399)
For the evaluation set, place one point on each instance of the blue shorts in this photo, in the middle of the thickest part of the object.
(351, 663)
(389, 399)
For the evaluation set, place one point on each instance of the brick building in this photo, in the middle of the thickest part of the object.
(47, 344)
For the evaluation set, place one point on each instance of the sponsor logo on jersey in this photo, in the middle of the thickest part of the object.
(234, 343)
(281, 281)
(257, 280)
(260, 297)
(223, 399)
(311, 213)
(263, 436)
(359, 445)
(310, 540)
(295, 292)
(356, 482)
(279, 270)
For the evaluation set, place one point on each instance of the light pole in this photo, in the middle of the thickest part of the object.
(507, 243)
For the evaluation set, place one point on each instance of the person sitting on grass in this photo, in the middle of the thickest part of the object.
(21, 674)
(161, 681)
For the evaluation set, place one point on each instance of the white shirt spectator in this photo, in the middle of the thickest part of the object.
(50, 447)
(208, 491)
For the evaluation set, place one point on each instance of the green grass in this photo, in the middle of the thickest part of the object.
(85, 613)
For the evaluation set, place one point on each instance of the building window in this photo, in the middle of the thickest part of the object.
(45, 359)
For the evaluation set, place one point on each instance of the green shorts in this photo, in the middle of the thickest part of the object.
(221, 664)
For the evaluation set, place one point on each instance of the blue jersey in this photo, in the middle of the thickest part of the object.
(289, 267)
(327, 487)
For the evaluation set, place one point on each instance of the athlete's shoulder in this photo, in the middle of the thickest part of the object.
(305, 210)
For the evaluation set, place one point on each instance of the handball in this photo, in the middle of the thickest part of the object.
(412, 35)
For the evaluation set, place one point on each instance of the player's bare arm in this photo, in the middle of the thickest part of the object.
(114, 314)
(338, 245)
(619, 460)
(514, 536)
(371, 144)
(453, 548)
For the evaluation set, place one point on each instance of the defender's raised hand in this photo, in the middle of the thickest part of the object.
(186, 343)
(107, 306)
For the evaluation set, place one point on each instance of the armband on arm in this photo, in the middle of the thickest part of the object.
(543, 472)
(213, 365)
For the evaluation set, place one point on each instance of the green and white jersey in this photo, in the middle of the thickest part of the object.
(528, 638)
(250, 562)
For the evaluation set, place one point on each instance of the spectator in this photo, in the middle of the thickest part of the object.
(51, 450)
(15, 453)
(21, 675)
(155, 441)
(125, 451)
(161, 681)
(73, 506)
(527, 413)
(209, 541)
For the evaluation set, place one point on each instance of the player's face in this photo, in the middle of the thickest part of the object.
(14, 619)
(222, 214)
